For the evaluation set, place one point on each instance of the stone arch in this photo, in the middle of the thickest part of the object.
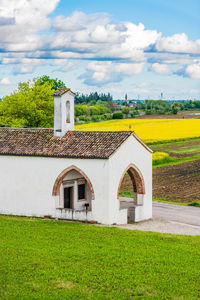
(58, 182)
(136, 178)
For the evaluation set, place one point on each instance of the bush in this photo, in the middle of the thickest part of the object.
(82, 118)
(102, 117)
(148, 112)
(80, 122)
(118, 115)
(95, 118)
(108, 116)
(159, 155)
(161, 158)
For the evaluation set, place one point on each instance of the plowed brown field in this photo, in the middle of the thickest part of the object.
(178, 183)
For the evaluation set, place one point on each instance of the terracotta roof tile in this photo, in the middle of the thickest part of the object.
(61, 91)
(75, 144)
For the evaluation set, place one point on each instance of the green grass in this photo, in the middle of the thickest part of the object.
(196, 204)
(177, 203)
(180, 147)
(130, 195)
(126, 194)
(174, 161)
(58, 260)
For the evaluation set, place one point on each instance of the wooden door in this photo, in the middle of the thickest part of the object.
(68, 197)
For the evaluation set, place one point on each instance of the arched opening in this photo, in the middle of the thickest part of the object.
(67, 112)
(74, 190)
(131, 189)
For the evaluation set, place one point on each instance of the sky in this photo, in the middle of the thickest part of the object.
(139, 47)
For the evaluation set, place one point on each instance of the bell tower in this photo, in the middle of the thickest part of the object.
(63, 111)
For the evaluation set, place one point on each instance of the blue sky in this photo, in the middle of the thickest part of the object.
(138, 47)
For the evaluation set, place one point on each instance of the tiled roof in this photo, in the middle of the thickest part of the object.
(61, 91)
(75, 144)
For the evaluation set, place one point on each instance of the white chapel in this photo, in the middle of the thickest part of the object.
(74, 175)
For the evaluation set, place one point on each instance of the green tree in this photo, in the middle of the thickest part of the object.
(55, 83)
(125, 110)
(80, 110)
(30, 106)
(94, 110)
(175, 108)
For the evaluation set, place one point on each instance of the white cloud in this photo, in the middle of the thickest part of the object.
(178, 43)
(99, 73)
(70, 66)
(93, 36)
(130, 68)
(27, 17)
(172, 58)
(144, 84)
(58, 62)
(160, 68)
(138, 37)
(5, 81)
(194, 91)
(193, 71)
(115, 49)
(80, 21)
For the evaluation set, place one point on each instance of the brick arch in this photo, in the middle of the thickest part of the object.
(58, 182)
(136, 178)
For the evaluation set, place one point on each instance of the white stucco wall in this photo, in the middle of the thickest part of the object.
(26, 185)
(130, 152)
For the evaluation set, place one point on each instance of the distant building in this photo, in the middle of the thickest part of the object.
(132, 103)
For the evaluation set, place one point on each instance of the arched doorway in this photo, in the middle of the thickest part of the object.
(74, 190)
(131, 190)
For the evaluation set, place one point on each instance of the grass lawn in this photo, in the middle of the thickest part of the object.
(180, 152)
(59, 260)
(187, 147)
(167, 161)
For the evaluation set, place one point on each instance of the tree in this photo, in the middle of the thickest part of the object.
(55, 83)
(30, 106)
(175, 108)
(93, 96)
(125, 110)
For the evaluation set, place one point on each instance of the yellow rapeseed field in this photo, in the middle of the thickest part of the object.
(151, 130)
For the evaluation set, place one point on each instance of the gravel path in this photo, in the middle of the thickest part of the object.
(170, 218)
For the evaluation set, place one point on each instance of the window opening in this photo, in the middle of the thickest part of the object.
(68, 112)
(81, 191)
